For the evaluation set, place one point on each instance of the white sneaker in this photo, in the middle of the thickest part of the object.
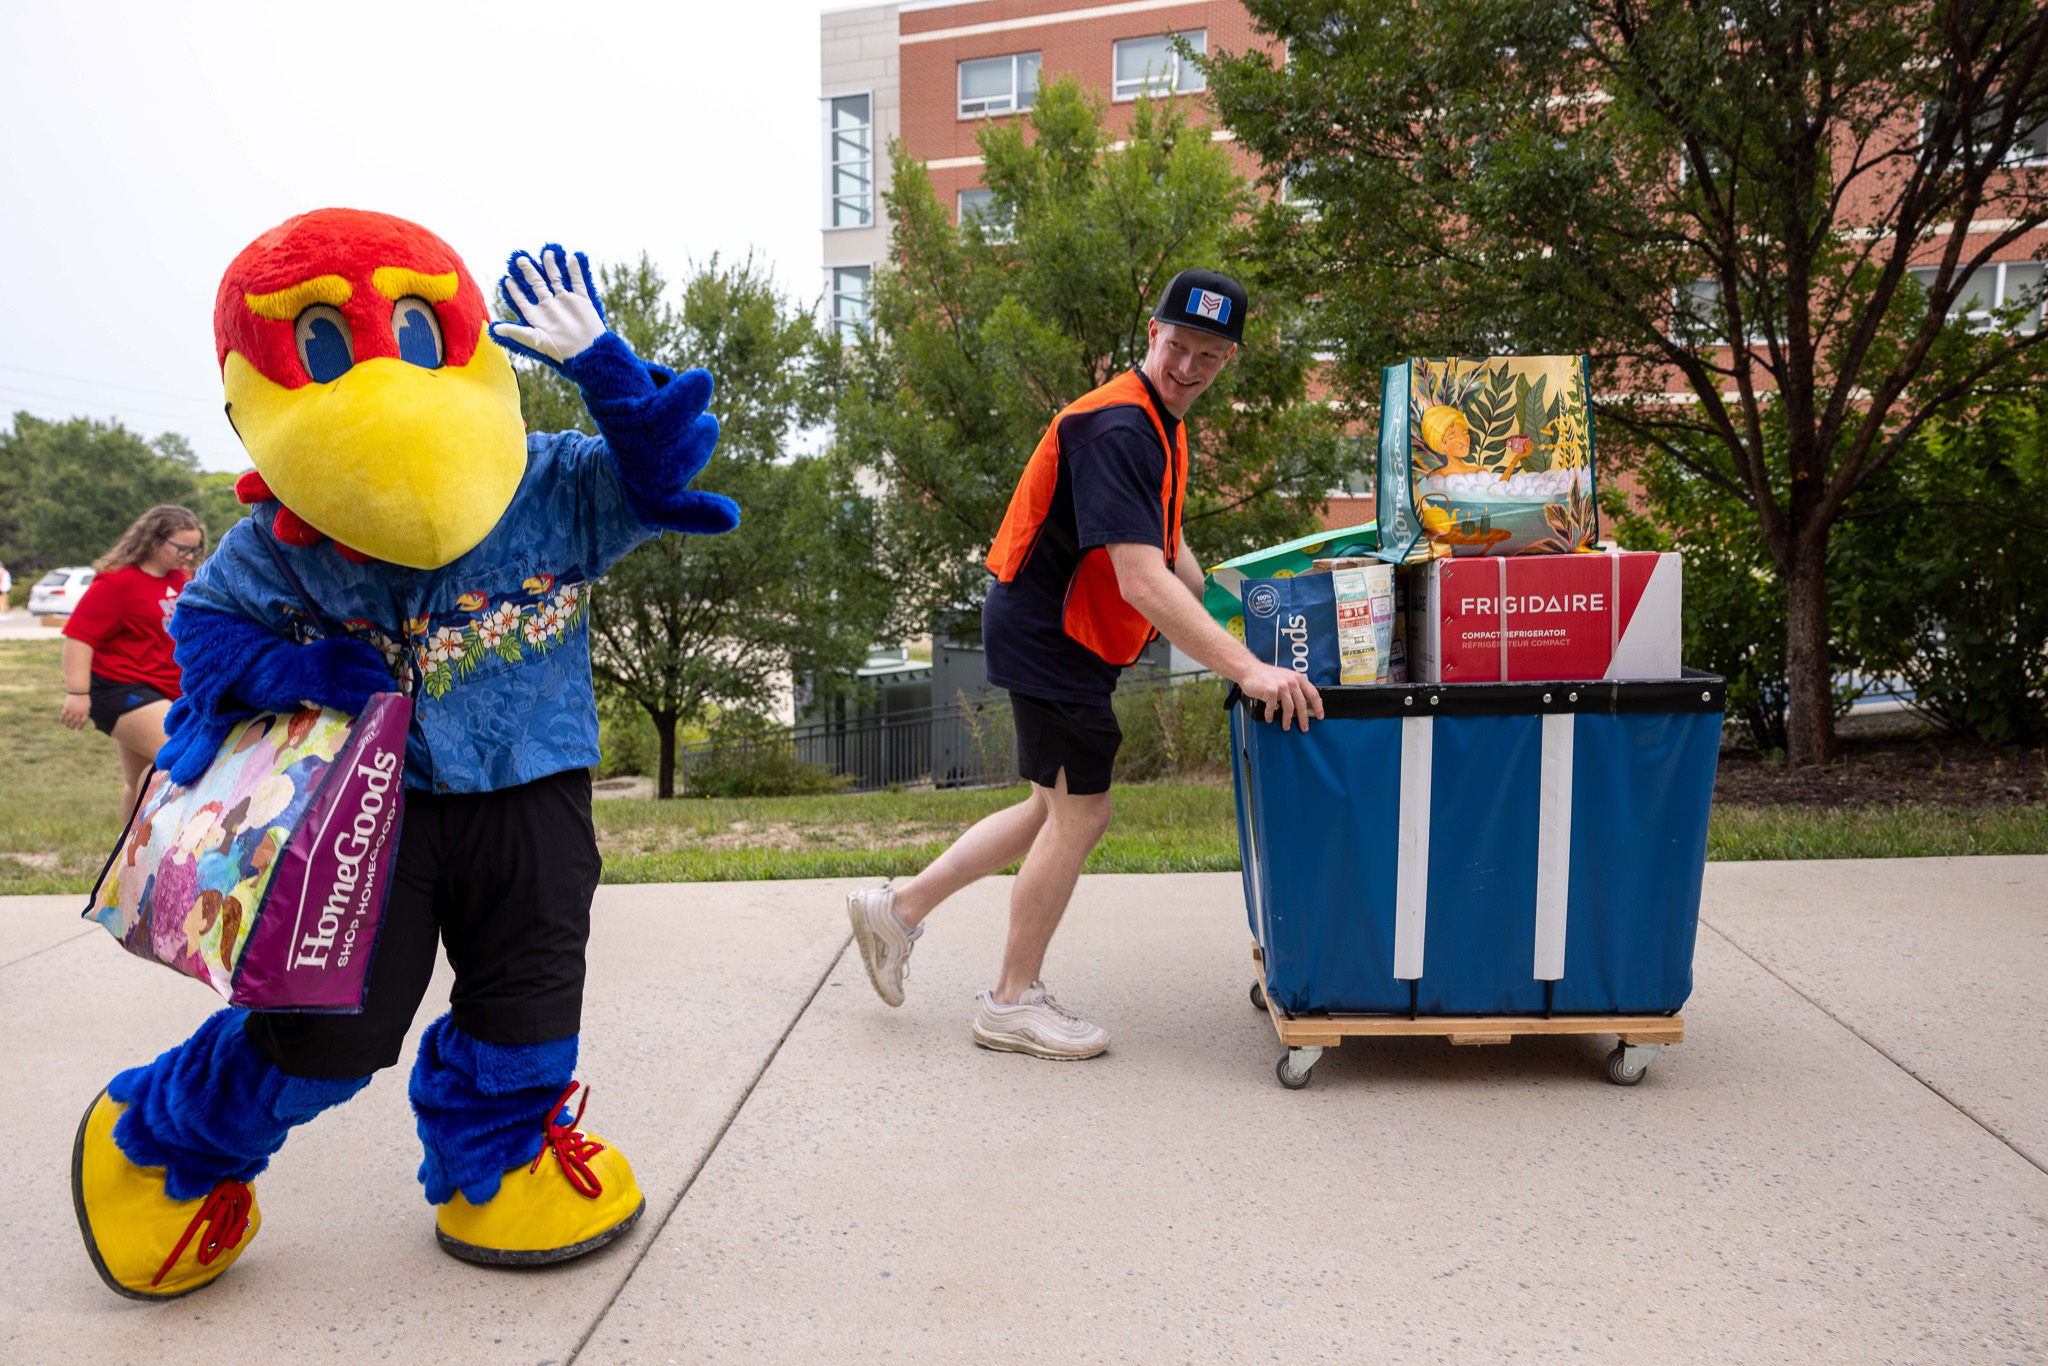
(884, 943)
(1037, 1025)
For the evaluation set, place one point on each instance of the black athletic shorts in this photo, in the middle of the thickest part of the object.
(1074, 736)
(503, 880)
(111, 699)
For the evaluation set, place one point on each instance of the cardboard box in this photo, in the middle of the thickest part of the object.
(1534, 618)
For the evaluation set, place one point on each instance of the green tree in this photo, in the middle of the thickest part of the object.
(1945, 567)
(1644, 180)
(983, 332)
(684, 624)
(69, 489)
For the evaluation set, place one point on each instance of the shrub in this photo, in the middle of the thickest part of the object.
(1948, 557)
(626, 741)
(769, 769)
(1173, 731)
(751, 756)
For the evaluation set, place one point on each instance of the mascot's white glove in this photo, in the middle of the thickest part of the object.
(558, 309)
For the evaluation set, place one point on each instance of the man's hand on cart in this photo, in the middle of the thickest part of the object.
(1288, 696)
(1171, 599)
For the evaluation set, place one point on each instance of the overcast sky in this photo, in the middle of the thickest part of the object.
(143, 144)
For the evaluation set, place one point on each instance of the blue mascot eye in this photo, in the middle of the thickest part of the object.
(325, 347)
(418, 330)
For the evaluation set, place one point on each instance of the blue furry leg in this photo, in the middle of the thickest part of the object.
(214, 1108)
(483, 1107)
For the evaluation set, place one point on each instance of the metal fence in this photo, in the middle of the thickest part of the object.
(970, 743)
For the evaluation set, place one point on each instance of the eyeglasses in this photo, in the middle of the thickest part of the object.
(185, 552)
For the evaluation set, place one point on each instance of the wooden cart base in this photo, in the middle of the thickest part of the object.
(1305, 1037)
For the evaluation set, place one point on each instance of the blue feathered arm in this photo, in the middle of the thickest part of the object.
(653, 422)
(233, 668)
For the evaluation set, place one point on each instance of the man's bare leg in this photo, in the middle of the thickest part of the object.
(1073, 826)
(990, 845)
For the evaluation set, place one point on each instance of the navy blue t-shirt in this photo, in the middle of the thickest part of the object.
(1110, 471)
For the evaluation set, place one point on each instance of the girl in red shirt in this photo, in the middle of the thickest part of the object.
(118, 670)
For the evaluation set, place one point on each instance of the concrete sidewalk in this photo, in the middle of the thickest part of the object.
(1846, 1161)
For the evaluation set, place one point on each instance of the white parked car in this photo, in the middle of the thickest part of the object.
(57, 592)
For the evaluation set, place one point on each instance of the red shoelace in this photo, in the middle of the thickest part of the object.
(572, 1147)
(225, 1212)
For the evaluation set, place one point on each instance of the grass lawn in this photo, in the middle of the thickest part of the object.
(59, 789)
(58, 792)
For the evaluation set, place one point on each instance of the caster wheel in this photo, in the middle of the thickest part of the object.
(1289, 1078)
(1617, 1068)
(1258, 998)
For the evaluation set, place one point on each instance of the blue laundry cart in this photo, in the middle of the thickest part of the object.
(1478, 860)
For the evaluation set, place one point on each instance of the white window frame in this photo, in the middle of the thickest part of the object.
(849, 322)
(1291, 196)
(993, 228)
(1023, 93)
(1705, 292)
(1980, 319)
(1125, 89)
(833, 199)
(2029, 148)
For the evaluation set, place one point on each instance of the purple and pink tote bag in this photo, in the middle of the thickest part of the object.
(266, 879)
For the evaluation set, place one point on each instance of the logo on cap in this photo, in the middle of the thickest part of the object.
(1203, 304)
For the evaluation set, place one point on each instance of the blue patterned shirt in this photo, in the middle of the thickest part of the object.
(498, 639)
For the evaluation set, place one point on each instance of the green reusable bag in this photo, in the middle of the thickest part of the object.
(1223, 586)
(1487, 455)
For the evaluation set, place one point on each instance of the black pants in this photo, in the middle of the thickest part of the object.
(504, 880)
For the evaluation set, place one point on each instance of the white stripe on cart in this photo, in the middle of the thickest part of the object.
(1411, 860)
(1553, 845)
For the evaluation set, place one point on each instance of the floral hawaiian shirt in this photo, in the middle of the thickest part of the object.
(497, 640)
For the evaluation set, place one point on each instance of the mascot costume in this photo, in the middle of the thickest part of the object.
(402, 493)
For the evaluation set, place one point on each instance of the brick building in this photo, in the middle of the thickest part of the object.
(929, 73)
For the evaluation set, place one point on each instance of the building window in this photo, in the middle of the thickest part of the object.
(979, 206)
(998, 85)
(1152, 66)
(2029, 145)
(1698, 309)
(850, 157)
(850, 299)
(2002, 284)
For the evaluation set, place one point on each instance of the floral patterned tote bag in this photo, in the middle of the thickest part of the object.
(1485, 455)
(267, 878)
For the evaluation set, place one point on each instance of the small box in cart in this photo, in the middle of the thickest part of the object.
(1536, 617)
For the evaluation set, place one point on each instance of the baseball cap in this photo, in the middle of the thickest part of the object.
(1206, 301)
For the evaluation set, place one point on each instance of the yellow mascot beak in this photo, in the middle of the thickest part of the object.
(403, 463)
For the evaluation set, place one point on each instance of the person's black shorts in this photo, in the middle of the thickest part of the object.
(504, 880)
(1075, 736)
(110, 699)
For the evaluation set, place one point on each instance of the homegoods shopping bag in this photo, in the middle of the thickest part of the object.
(1488, 455)
(266, 878)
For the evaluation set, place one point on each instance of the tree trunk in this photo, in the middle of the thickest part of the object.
(665, 731)
(1810, 720)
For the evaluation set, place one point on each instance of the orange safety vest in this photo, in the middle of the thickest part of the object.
(1096, 614)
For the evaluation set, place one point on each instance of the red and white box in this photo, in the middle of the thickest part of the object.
(1533, 618)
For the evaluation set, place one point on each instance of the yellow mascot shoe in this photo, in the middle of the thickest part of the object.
(144, 1244)
(552, 1210)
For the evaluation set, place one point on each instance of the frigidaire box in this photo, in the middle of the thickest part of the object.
(1532, 618)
